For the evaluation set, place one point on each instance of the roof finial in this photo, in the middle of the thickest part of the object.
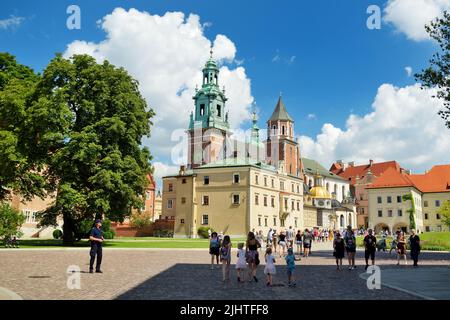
(281, 93)
(211, 51)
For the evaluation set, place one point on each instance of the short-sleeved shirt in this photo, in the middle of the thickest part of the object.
(414, 242)
(350, 241)
(370, 242)
(96, 233)
(290, 261)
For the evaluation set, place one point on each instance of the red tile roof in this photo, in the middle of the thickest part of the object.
(435, 180)
(351, 172)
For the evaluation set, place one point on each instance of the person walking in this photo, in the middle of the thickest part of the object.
(370, 245)
(259, 238)
(350, 246)
(269, 269)
(401, 248)
(214, 246)
(339, 250)
(298, 242)
(96, 238)
(414, 244)
(307, 240)
(393, 243)
(275, 240)
(225, 257)
(290, 267)
(241, 264)
(290, 237)
(252, 256)
(269, 238)
(282, 242)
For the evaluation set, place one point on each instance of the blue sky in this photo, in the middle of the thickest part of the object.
(329, 63)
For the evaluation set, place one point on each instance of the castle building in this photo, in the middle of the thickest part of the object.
(390, 210)
(234, 187)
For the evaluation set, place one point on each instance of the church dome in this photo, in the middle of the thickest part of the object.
(319, 192)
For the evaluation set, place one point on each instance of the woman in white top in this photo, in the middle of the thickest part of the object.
(269, 270)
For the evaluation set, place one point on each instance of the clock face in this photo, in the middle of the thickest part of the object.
(320, 202)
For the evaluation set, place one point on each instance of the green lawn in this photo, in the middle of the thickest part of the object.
(125, 242)
(435, 241)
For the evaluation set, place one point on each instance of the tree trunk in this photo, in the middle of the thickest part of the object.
(68, 230)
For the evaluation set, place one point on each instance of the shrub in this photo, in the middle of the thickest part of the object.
(203, 232)
(140, 220)
(108, 234)
(57, 234)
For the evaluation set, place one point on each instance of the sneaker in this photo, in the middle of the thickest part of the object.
(350, 268)
(268, 284)
(366, 267)
(354, 267)
(91, 271)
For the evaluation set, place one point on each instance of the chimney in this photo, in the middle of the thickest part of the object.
(351, 164)
(340, 162)
(182, 170)
(408, 171)
(370, 162)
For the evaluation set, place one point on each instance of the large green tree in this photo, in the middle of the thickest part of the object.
(19, 168)
(89, 119)
(444, 211)
(437, 75)
(10, 221)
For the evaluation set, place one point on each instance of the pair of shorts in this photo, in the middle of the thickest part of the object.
(298, 243)
(290, 271)
(350, 250)
(214, 251)
(282, 243)
(369, 253)
(306, 245)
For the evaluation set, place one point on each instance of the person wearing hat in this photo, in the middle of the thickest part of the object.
(96, 238)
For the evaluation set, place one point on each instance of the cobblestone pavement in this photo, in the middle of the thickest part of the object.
(186, 274)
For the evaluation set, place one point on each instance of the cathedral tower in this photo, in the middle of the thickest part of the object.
(208, 127)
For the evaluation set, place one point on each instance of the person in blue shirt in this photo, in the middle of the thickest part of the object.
(96, 238)
(290, 262)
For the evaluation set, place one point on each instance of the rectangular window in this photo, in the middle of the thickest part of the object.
(170, 187)
(265, 221)
(282, 222)
(298, 205)
(265, 201)
(438, 216)
(274, 221)
(282, 185)
(389, 199)
(259, 221)
(257, 200)
(147, 195)
(265, 181)
(437, 203)
(380, 213)
(298, 188)
(205, 200)
(293, 188)
(206, 180)
(379, 200)
(400, 212)
(236, 178)
(426, 216)
(285, 204)
(183, 200)
(169, 204)
(256, 179)
(273, 184)
(425, 203)
(389, 213)
(272, 202)
(399, 199)
(183, 181)
(235, 199)
(292, 205)
(205, 219)
(182, 221)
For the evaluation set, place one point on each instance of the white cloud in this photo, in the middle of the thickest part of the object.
(292, 59)
(166, 54)
(11, 22)
(403, 126)
(276, 58)
(411, 16)
(408, 70)
(162, 170)
(311, 116)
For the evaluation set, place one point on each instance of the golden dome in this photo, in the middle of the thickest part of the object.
(319, 192)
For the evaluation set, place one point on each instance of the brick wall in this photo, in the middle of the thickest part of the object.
(126, 230)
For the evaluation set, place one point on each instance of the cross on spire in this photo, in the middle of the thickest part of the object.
(210, 51)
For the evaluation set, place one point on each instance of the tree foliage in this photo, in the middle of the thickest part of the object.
(10, 221)
(437, 75)
(444, 211)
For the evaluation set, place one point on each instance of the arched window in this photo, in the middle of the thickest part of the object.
(202, 109)
(219, 111)
(328, 187)
(342, 221)
(335, 189)
(283, 130)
